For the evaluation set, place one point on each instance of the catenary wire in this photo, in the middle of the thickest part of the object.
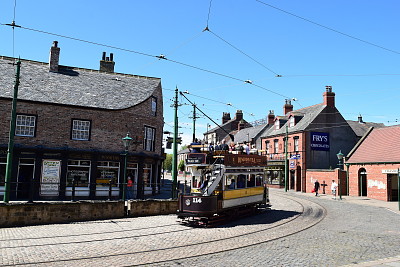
(328, 28)
(242, 52)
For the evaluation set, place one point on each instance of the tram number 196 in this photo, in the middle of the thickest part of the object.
(197, 200)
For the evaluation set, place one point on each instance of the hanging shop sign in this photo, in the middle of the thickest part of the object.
(319, 141)
(50, 178)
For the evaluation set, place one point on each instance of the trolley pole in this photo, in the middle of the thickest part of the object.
(175, 146)
(10, 151)
(194, 122)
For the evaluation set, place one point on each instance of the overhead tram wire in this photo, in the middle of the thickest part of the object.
(242, 52)
(148, 55)
(328, 28)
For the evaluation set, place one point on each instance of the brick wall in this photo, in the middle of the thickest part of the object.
(377, 182)
(107, 126)
(327, 176)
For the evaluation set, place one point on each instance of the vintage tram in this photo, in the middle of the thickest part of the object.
(224, 186)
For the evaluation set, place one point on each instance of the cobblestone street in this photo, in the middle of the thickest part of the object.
(300, 230)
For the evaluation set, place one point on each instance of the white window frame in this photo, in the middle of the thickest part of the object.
(149, 138)
(296, 144)
(277, 125)
(154, 106)
(292, 122)
(276, 146)
(80, 130)
(25, 125)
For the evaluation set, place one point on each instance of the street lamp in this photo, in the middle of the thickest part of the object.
(340, 164)
(127, 142)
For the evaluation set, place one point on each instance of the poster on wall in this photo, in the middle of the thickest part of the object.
(319, 141)
(50, 178)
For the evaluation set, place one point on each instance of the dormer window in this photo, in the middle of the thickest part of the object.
(292, 121)
(277, 124)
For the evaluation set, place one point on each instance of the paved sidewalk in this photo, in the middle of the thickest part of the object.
(392, 206)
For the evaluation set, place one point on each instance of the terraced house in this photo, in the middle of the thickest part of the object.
(69, 128)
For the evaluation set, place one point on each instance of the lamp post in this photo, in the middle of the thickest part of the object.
(340, 164)
(127, 140)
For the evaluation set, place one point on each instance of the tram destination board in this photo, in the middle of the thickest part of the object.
(245, 160)
(196, 158)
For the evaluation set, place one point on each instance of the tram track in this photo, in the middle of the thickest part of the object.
(308, 215)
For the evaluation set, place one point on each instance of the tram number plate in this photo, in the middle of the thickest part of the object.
(197, 200)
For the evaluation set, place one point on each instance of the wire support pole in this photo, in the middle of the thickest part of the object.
(175, 148)
(286, 160)
(10, 151)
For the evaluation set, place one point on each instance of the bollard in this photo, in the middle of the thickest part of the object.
(73, 190)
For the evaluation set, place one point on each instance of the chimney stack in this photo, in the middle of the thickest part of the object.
(239, 115)
(329, 97)
(226, 116)
(54, 57)
(288, 107)
(107, 63)
(271, 117)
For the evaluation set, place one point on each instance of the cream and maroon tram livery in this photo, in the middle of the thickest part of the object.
(224, 185)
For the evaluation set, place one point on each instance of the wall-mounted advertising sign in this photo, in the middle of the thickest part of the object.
(50, 179)
(319, 141)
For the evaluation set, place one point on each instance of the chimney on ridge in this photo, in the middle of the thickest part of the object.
(239, 115)
(329, 97)
(107, 63)
(54, 57)
(226, 116)
(271, 117)
(288, 107)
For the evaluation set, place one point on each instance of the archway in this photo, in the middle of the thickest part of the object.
(362, 182)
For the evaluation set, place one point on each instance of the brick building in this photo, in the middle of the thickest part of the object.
(314, 134)
(373, 165)
(70, 125)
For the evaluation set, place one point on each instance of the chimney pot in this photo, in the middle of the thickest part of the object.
(104, 56)
(329, 97)
(111, 57)
(107, 64)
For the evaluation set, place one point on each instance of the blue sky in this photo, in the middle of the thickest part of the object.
(352, 46)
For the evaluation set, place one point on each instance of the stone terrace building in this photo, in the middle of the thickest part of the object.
(70, 125)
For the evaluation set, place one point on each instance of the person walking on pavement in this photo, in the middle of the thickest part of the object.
(316, 187)
(334, 188)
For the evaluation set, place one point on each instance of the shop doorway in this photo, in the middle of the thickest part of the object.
(362, 182)
(292, 183)
(26, 170)
(298, 178)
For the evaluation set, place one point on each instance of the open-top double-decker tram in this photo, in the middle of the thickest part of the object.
(224, 186)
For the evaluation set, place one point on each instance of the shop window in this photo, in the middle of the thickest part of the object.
(107, 172)
(79, 172)
(147, 180)
(149, 138)
(25, 125)
(80, 130)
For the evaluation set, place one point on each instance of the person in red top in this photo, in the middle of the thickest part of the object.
(129, 188)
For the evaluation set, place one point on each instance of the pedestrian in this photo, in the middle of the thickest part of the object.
(334, 188)
(316, 187)
(129, 188)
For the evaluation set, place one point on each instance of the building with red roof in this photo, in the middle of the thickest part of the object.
(373, 165)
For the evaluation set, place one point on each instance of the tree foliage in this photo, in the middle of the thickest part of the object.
(167, 165)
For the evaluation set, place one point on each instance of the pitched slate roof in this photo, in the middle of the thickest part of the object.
(75, 86)
(241, 136)
(360, 128)
(378, 146)
(308, 114)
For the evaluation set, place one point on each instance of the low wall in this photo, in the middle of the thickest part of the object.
(24, 214)
(137, 208)
(326, 175)
(21, 214)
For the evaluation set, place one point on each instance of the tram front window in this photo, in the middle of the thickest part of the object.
(251, 181)
(259, 180)
(241, 181)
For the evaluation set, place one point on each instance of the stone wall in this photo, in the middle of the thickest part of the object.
(23, 214)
